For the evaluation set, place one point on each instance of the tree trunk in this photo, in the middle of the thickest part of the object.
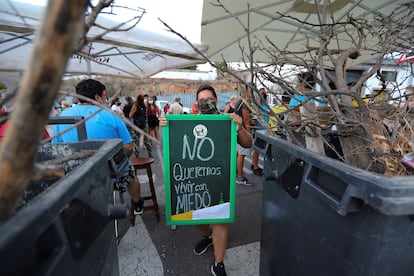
(312, 134)
(61, 30)
(357, 142)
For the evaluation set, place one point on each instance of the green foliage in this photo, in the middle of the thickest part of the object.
(2, 86)
(193, 67)
(221, 65)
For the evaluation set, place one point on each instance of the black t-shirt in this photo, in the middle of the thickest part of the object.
(127, 109)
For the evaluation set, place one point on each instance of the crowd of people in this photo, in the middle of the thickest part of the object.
(145, 114)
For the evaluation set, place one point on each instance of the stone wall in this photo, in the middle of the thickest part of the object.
(153, 86)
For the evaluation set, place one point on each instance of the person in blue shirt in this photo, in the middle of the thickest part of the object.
(102, 125)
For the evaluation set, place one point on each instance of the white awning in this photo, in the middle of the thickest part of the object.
(138, 52)
(288, 24)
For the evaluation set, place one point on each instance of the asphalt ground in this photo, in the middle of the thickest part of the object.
(153, 248)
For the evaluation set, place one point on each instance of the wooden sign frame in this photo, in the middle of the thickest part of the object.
(199, 169)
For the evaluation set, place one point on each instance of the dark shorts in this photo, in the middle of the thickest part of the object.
(153, 121)
(122, 183)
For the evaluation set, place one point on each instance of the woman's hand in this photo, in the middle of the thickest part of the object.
(163, 121)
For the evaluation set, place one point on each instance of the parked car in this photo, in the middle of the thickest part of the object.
(186, 110)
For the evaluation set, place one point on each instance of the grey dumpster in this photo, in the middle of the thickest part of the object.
(323, 217)
(64, 226)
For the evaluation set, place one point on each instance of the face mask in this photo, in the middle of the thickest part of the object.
(207, 107)
(118, 103)
(150, 102)
(145, 100)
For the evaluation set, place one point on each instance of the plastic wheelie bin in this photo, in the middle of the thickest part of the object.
(64, 226)
(323, 217)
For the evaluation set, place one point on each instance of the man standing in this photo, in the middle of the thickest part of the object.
(102, 125)
(216, 234)
(176, 108)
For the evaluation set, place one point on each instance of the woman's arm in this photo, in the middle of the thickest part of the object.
(244, 137)
(132, 112)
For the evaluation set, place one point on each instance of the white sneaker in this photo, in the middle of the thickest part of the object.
(243, 181)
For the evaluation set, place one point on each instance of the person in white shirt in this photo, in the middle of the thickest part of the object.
(116, 106)
(176, 107)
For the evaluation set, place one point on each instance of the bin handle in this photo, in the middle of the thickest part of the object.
(119, 211)
(118, 171)
(343, 205)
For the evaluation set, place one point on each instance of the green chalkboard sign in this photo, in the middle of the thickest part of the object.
(200, 169)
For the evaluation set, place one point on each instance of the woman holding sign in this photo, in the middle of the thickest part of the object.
(216, 234)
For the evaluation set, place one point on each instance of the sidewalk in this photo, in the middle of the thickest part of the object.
(153, 248)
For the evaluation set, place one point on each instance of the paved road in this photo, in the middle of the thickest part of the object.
(153, 248)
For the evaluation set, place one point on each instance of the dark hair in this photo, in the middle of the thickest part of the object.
(129, 100)
(140, 101)
(89, 88)
(206, 87)
(306, 79)
(114, 101)
(263, 93)
(286, 97)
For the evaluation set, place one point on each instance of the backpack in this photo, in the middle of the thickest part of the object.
(140, 117)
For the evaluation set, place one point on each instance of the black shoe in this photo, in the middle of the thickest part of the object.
(258, 172)
(217, 269)
(138, 207)
(203, 245)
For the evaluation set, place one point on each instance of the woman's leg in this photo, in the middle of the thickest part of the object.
(153, 133)
(156, 135)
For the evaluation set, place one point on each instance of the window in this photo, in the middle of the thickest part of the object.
(390, 76)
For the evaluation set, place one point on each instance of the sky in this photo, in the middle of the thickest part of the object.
(184, 16)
